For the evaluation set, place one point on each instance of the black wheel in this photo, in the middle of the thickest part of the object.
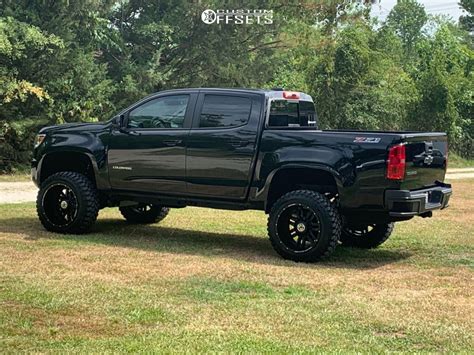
(304, 226)
(144, 213)
(67, 203)
(366, 236)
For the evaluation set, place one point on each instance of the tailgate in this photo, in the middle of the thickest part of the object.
(426, 159)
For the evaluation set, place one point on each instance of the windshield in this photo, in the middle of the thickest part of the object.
(284, 113)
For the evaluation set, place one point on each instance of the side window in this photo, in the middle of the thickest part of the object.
(224, 111)
(163, 112)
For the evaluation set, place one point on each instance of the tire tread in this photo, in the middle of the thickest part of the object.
(153, 216)
(373, 239)
(334, 217)
(88, 195)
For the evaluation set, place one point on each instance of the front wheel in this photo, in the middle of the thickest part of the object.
(366, 236)
(144, 213)
(304, 226)
(67, 203)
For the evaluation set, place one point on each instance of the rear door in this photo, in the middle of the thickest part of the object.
(426, 159)
(221, 147)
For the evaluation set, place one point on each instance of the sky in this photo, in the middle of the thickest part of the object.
(432, 7)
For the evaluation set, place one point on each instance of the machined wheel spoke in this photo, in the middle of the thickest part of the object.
(300, 242)
(312, 237)
(299, 228)
(60, 205)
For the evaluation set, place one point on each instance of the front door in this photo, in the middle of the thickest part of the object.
(149, 154)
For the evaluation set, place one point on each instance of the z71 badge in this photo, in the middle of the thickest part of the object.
(366, 140)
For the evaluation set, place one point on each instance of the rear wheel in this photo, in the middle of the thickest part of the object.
(304, 226)
(144, 213)
(67, 203)
(366, 236)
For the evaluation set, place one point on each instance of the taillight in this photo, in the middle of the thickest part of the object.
(291, 95)
(396, 162)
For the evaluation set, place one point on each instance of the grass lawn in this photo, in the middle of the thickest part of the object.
(456, 161)
(208, 280)
(15, 177)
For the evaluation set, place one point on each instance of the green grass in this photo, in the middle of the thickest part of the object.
(207, 280)
(456, 161)
(15, 177)
(20, 172)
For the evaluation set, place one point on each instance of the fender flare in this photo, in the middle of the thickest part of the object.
(262, 194)
(101, 179)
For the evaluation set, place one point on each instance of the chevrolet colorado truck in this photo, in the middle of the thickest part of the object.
(241, 149)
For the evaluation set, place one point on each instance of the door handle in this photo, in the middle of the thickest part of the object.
(171, 142)
(239, 143)
(127, 131)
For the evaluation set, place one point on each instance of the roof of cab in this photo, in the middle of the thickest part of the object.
(270, 93)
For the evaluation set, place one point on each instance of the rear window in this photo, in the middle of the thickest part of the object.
(224, 111)
(284, 113)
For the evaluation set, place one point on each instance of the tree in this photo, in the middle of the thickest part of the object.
(48, 70)
(357, 84)
(467, 21)
(407, 19)
(446, 86)
(69, 61)
(74, 80)
(21, 95)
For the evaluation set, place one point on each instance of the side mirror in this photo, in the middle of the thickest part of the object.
(122, 124)
(121, 121)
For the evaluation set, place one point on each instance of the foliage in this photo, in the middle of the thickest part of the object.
(356, 82)
(65, 61)
(467, 21)
(446, 89)
(407, 18)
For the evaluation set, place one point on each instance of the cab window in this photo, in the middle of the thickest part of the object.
(223, 111)
(284, 113)
(162, 112)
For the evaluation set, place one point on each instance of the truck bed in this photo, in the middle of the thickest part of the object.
(358, 159)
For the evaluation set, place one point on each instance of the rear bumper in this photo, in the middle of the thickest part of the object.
(406, 203)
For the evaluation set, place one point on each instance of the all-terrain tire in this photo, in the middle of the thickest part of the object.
(144, 214)
(317, 207)
(67, 202)
(366, 237)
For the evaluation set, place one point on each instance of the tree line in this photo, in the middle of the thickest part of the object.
(69, 61)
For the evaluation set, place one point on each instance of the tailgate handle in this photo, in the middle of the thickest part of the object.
(429, 147)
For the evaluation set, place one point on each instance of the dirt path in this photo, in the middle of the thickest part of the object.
(460, 170)
(458, 176)
(17, 192)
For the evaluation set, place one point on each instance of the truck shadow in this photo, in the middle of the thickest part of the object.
(250, 248)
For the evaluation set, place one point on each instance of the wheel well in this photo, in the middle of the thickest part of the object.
(67, 161)
(290, 179)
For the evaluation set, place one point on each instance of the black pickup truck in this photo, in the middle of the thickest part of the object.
(241, 149)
